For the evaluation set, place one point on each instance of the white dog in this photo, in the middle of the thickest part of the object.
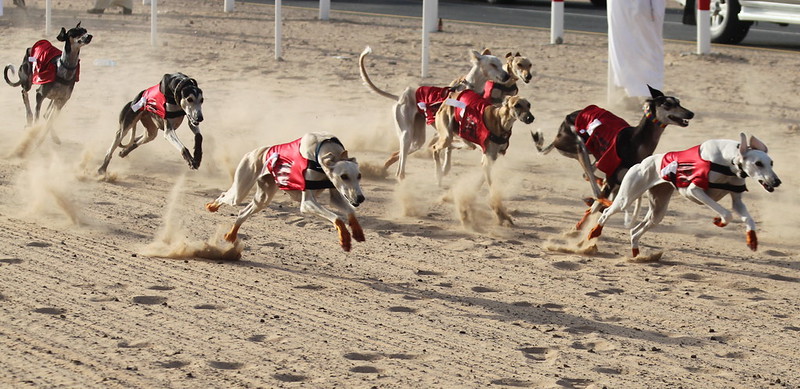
(417, 106)
(303, 168)
(704, 174)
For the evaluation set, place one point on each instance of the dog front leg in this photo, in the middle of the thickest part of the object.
(338, 201)
(741, 209)
(198, 147)
(700, 195)
(265, 191)
(309, 204)
(172, 137)
(28, 111)
(586, 164)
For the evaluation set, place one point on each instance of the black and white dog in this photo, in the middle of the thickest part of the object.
(162, 107)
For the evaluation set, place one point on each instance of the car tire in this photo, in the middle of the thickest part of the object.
(725, 24)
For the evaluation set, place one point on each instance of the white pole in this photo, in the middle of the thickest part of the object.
(229, 5)
(432, 7)
(703, 27)
(48, 17)
(153, 22)
(426, 39)
(324, 9)
(557, 22)
(278, 21)
(1, 7)
(145, 2)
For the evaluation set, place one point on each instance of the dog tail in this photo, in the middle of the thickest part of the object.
(538, 140)
(365, 77)
(13, 71)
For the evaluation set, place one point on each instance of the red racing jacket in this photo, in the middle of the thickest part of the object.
(469, 116)
(429, 99)
(44, 56)
(288, 167)
(152, 100)
(682, 168)
(599, 129)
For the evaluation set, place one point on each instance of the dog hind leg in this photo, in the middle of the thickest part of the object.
(265, 191)
(659, 201)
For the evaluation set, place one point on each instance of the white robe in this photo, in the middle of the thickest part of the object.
(636, 45)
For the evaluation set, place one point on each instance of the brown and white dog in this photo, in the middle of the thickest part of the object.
(519, 67)
(704, 174)
(303, 168)
(475, 120)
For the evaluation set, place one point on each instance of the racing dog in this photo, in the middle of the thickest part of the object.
(303, 168)
(417, 106)
(468, 115)
(162, 107)
(615, 145)
(55, 71)
(704, 174)
(519, 68)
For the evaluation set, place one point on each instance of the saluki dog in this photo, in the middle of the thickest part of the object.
(614, 144)
(475, 120)
(416, 106)
(303, 168)
(704, 174)
(162, 107)
(519, 68)
(55, 71)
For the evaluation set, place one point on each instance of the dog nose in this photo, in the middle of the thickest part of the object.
(777, 182)
(529, 119)
(200, 118)
(360, 199)
(88, 38)
(690, 114)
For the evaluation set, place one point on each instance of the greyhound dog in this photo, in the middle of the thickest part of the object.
(704, 174)
(519, 68)
(416, 106)
(615, 145)
(55, 71)
(475, 120)
(162, 107)
(303, 168)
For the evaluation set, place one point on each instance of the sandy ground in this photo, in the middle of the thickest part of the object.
(88, 297)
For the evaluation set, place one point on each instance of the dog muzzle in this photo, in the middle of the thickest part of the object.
(770, 187)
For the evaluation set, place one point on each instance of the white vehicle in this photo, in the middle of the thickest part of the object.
(731, 19)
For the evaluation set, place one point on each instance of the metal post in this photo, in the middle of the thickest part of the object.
(324, 9)
(153, 22)
(703, 27)
(557, 22)
(278, 32)
(228, 7)
(432, 7)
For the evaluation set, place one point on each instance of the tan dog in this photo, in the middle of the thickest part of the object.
(518, 67)
(475, 120)
(302, 168)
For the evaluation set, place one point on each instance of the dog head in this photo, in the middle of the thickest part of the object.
(755, 162)
(490, 66)
(75, 38)
(519, 66)
(667, 109)
(190, 97)
(345, 176)
(520, 108)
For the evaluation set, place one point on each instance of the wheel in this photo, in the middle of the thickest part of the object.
(725, 24)
(599, 3)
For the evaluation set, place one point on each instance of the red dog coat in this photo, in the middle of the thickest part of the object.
(429, 99)
(288, 167)
(682, 168)
(44, 57)
(599, 129)
(152, 100)
(469, 116)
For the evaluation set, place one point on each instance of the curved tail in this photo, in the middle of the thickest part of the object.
(538, 140)
(13, 71)
(366, 79)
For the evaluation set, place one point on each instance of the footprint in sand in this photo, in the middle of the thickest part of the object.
(428, 273)
(607, 370)
(11, 261)
(577, 383)
(568, 265)
(553, 306)
(287, 377)
(51, 311)
(483, 289)
(365, 369)
(38, 244)
(172, 364)
(160, 287)
(513, 382)
(402, 356)
(523, 304)
(207, 306)
(363, 356)
(601, 293)
(125, 344)
(539, 354)
(310, 287)
(402, 309)
(226, 365)
(149, 300)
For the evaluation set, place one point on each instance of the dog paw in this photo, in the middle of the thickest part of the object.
(719, 222)
(213, 207)
(344, 235)
(752, 241)
(231, 237)
(596, 231)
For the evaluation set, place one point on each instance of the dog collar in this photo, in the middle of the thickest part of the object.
(649, 115)
(741, 173)
(314, 164)
(499, 139)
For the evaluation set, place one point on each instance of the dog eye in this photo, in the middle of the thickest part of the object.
(759, 164)
(359, 176)
(345, 177)
(518, 105)
(190, 99)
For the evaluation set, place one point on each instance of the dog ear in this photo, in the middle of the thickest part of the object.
(742, 143)
(343, 155)
(486, 52)
(78, 25)
(509, 55)
(518, 54)
(655, 92)
(757, 144)
(327, 160)
(474, 55)
(62, 36)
